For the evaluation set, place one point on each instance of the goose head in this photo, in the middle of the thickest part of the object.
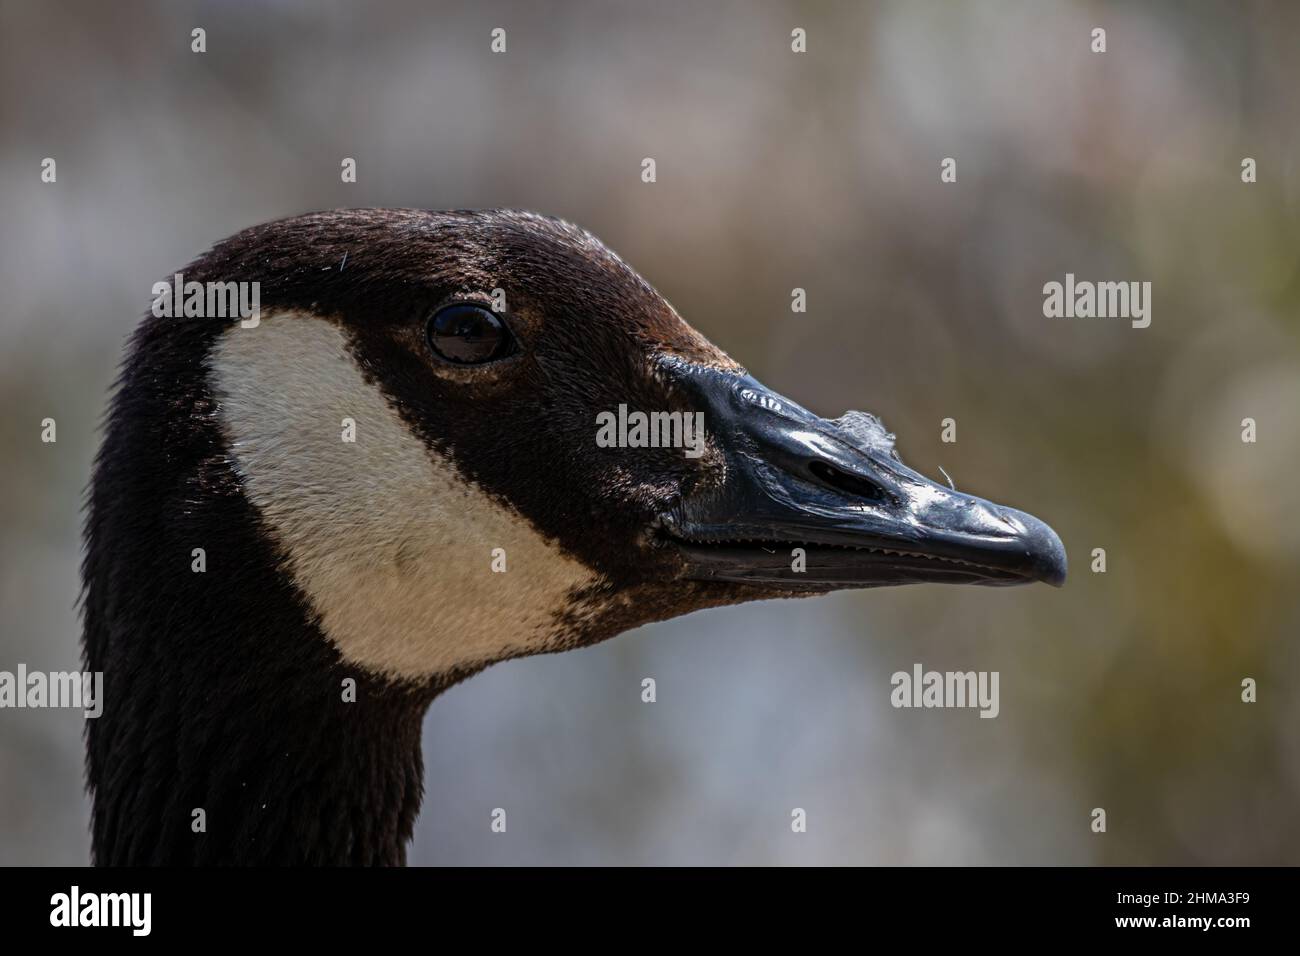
(454, 438)
(496, 366)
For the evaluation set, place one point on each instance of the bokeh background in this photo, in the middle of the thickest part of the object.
(775, 171)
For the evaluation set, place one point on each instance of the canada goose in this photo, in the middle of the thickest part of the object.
(245, 559)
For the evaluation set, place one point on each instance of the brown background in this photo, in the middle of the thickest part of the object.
(775, 170)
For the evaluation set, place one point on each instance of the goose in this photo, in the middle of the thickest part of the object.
(301, 530)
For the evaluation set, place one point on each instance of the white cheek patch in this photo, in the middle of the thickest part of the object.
(391, 546)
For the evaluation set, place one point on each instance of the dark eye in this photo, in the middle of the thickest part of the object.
(467, 334)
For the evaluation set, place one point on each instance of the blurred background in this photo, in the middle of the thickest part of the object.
(775, 170)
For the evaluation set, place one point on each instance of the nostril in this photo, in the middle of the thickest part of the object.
(848, 483)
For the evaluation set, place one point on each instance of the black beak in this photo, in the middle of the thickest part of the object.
(837, 490)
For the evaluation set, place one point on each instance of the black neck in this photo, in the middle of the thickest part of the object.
(221, 694)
